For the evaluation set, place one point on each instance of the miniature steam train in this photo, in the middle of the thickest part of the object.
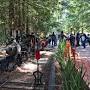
(13, 58)
(9, 61)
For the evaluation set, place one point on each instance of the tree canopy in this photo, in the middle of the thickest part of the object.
(43, 16)
(77, 14)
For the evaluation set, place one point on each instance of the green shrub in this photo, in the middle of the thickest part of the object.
(60, 53)
(72, 78)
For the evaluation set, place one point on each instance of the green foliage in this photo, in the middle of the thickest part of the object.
(77, 15)
(72, 77)
(45, 15)
(60, 54)
(31, 15)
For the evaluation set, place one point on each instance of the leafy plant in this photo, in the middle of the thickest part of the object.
(72, 77)
(60, 53)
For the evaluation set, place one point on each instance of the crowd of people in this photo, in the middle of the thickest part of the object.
(78, 39)
(52, 39)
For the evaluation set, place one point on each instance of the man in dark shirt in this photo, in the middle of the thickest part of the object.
(72, 40)
(54, 41)
(83, 40)
(78, 39)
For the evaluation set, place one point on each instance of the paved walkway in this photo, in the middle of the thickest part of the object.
(83, 59)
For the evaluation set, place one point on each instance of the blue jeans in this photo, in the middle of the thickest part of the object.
(53, 42)
(84, 44)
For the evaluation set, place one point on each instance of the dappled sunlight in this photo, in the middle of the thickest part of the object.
(89, 85)
(42, 52)
(83, 59)
(22, 70)
(31, 67)
(43, 59)
(45, 25)
(46, 52)
(27, 67)
(84, 55)
(49, 53)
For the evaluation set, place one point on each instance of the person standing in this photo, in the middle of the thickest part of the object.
(49, 40)
(72, 40)
(53, 38)
(62, 35)
(77, 39)
(88, 39)
(83, 40)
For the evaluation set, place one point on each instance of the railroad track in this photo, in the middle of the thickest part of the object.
(20, 86)
(9, 85)
(18, 83)
(6, 83)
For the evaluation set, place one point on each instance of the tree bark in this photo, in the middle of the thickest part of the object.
(11, 16)
(27, 22)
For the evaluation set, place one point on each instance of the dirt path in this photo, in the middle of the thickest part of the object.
(83, 59)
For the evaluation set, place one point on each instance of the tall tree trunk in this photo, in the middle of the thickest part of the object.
(27, 22)
(82, 30)
(19, 17)
(11, 16)
(23, 15)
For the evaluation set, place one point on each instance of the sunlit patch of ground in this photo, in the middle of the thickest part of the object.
(24, 73)
(31, 67)
(46, 53)
(27, 67)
